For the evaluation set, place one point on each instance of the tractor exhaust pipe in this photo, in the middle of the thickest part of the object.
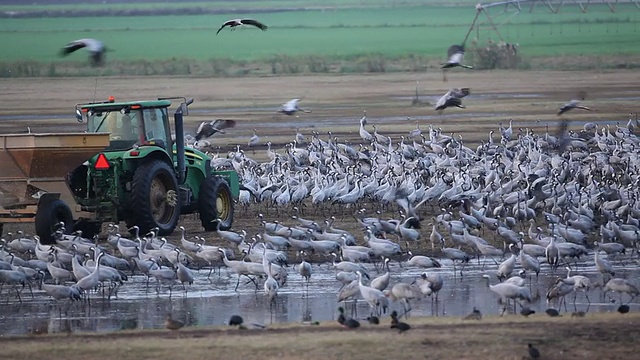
(179, 123)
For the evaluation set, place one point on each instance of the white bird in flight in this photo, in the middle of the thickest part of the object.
(291, 107)
(95, 47)
(239, 22)
(208, 128)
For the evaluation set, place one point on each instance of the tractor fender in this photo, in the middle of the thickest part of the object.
(132, 157)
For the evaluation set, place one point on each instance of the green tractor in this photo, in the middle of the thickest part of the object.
(146, 177)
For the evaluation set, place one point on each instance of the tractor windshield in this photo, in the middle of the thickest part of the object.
(123, 128)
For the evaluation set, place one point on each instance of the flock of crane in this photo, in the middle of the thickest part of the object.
(545, 205)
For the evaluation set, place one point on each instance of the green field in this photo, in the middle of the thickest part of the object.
(246, 4)
(336, 35)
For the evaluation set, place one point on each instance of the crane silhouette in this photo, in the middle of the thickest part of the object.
(239, 22)
(95, 47)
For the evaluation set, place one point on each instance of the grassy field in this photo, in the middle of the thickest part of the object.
(596, 336)
(337, 37)
(230, 4)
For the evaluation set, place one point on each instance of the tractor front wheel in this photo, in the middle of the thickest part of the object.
(215, 202)
(49, 215)
(155, 198)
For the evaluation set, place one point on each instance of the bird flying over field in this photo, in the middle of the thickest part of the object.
(291, 107)
(95, 47)
(573, 104)
(208, 128)
(456, 57)
(238, 22)
(452, 98)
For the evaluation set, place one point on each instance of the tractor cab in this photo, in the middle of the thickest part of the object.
(129, 124)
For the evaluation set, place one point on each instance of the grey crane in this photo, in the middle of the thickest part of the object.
(164, 276)
(14, 277)
(291, 107)
(452, 98)
(573, 104)
(234, 23)
(508, 291)
(430, 283)
(552, 253)
(232, 237)
(559, 291)
(270, 285)
(454, 255)
(603, 265)
(579, 282)
(254, 140)
(92, 280)
(239, 267)
(209, 128)
(304, 269)
(422, 261)
(95, 47)
(404, 292)
(373, 297)
(185, 275)
(455, 56)
(620, 286)
(60, 292)
(381, 282)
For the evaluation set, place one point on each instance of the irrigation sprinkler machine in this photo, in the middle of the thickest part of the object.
(126, 167)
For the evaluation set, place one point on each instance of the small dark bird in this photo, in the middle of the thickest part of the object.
(172, 324)
(373, 320)
(341, 318)
(235, 320)
(401, 326)
(95, 47)
(573, 104)
(474, 315)
(533, 352)
(623, 309)
(208, 128)
(525, 311)
(453, 98)
(351, 324)
(238, 22)
(394, 317)
(347, 323)
(552, 312)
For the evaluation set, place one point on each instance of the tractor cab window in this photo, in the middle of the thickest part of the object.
(123, 128)
(154, 125)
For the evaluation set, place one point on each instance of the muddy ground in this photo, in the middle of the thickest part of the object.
(596, 336)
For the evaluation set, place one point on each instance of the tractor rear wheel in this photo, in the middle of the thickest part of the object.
(50, 214)
(215, 202)
(154, 198)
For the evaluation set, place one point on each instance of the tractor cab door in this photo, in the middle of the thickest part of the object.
(156, 127)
